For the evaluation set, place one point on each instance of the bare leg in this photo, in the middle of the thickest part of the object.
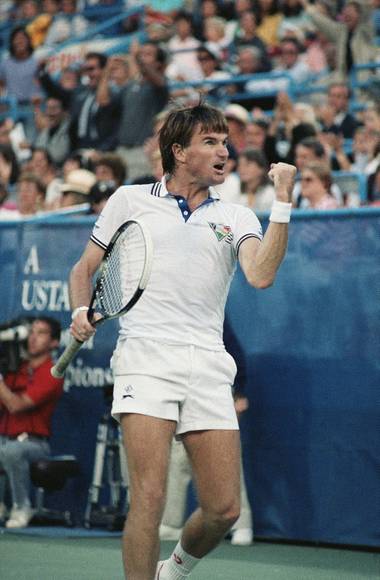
(215, 458)
(178, 482)
(147, 442)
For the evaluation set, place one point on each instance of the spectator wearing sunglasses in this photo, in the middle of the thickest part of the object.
(316, 182)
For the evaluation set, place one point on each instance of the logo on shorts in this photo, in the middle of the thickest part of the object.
(129, 392)
(222, 232)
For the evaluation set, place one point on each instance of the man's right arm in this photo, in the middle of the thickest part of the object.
(81, 289)
(327, 25)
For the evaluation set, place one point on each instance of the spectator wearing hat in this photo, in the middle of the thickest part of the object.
(237, 119)
(77, 187)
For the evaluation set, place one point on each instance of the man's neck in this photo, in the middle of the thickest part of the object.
(194, 193)
(37, 361)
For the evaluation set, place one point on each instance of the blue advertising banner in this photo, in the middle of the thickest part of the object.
(36, 257)
(309, 354)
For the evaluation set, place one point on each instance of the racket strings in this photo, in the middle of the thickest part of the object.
(123, 271)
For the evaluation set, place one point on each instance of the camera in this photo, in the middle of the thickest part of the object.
(13, 337)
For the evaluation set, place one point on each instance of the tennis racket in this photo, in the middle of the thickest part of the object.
(121, 280)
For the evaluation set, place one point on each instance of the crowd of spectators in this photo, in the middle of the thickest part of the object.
(92, 125)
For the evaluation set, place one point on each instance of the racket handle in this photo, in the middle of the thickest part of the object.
(66, 357)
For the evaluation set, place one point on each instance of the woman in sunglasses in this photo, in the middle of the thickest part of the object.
(316, 182)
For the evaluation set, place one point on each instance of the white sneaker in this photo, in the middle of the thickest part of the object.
(242, 537)
(19, 518)
(158, 570)
(169, 533)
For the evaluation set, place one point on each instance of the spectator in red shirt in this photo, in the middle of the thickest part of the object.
(27, 400)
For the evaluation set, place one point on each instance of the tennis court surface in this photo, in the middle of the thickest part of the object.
(42, 555)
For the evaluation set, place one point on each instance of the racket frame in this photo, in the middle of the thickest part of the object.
(58, 370)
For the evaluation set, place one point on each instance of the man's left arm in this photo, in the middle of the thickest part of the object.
(261, 260)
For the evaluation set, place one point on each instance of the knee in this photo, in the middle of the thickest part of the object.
(225, 514)
(149, 498)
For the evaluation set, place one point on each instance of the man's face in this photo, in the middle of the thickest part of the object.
(255, 136)
(303, 156)
(350, 16)
(40, 341)
(338, 98)
(205, 158)
(247, 62)
(147, 54)
(54, 112)
(289, 54)
(206, 62)
(28, 197)
(249, 170)
(93, 71)
(104, 173)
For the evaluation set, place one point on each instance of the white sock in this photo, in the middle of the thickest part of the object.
(179, 565)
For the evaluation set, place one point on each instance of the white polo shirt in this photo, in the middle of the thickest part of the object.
(195, 256)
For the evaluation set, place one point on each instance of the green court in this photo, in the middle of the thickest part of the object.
(46, 558)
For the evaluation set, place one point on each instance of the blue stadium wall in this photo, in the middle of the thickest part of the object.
(310, 349)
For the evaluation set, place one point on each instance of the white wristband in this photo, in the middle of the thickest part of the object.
(280, 212)
(1, 378)
(79, 309)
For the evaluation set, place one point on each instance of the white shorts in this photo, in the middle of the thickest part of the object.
(182, 383)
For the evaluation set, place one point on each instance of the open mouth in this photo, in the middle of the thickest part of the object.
(219, 167)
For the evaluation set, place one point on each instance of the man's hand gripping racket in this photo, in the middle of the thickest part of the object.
(121, 280)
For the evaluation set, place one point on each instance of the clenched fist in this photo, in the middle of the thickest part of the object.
(283, 177)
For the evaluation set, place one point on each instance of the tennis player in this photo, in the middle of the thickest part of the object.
(172, 374)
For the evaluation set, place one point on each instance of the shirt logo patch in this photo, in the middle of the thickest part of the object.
(222, 232)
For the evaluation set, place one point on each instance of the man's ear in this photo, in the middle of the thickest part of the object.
(178, 152)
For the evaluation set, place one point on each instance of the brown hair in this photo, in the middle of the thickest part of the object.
(116, 164)
(180, 126)
(322, 171)
(33, 178)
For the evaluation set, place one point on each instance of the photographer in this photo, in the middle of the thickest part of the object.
(28, 397)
